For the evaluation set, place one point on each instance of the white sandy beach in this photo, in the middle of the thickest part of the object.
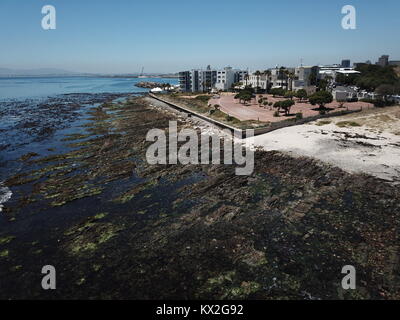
(372, 148)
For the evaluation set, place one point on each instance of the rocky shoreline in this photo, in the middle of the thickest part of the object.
(117, 227)
(150, 85)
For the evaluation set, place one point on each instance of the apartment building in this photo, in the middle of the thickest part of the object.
(198, 80)
(383, 61)
(279, 78)
(302, 78)
(346, 63)
(225, 79)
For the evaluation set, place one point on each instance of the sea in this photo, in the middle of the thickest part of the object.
(22, 100)
(39, 87)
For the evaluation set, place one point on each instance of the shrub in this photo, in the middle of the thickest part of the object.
(378, 103)
(278, 92)
(323, 123)
(348, 124)
(299, 116)
(276, 114)
(203, 98)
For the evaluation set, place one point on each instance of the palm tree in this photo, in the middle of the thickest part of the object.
(291, 77)
(329, 79)
(246, 78)
(283, 72)
(257, 74)
(268, 77)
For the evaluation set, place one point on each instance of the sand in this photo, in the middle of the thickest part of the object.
(372, 148)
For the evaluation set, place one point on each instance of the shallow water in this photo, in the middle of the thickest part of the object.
(36, 87)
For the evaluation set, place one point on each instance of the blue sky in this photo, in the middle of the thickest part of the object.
(121, 36)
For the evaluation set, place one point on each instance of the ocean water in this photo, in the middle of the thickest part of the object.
(39, 87)
(19, 98)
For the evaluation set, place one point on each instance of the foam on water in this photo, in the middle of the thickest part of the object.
(5, 195)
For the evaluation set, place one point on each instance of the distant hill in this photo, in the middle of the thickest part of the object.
(6, 72)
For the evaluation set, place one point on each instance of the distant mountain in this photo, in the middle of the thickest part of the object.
(6, 72)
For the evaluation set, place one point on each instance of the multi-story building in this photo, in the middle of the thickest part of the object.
(383, 61)
(279, 78)
(257, 81)
(198, 80)
(302, 77)
(227, 77)
(185, 81)
(287, 78)
(240, 75)
(346, 63)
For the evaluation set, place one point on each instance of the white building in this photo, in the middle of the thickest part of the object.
(332, 71)
(302, 80)
(225, 79)
(204, 80)
(279, 78)
(257, 81)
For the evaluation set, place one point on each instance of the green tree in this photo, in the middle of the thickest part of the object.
(322, 84)
(321, 98)
(289, 95)
(313, 78)
(386, 90)
(278, 92)
(301, 94)
(373, 76)
(291, 77)
(285, 105)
